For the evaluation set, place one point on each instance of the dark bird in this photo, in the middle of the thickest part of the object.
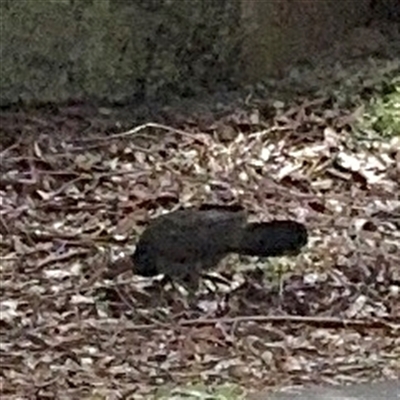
(186, 242)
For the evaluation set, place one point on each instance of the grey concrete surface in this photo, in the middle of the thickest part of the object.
(388, 390)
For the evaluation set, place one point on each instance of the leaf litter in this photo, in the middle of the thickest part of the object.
(69, 204)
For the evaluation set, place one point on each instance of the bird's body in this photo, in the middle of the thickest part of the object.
(184, 243)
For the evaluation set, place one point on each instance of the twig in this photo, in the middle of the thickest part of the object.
(137, 130)
(62, 257)
(8, 149)
(330, 321)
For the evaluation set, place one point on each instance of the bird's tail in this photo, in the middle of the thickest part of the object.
(269, 239)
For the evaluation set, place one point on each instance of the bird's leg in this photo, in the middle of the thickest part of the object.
(190, 281)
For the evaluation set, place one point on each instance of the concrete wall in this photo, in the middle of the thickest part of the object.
(128, 50)
(283, 32)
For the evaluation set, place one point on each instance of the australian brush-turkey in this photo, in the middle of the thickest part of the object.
(186, 242)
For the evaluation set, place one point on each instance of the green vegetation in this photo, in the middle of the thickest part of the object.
(382, 115)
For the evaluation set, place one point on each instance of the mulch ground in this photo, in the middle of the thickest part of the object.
(77, 187)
